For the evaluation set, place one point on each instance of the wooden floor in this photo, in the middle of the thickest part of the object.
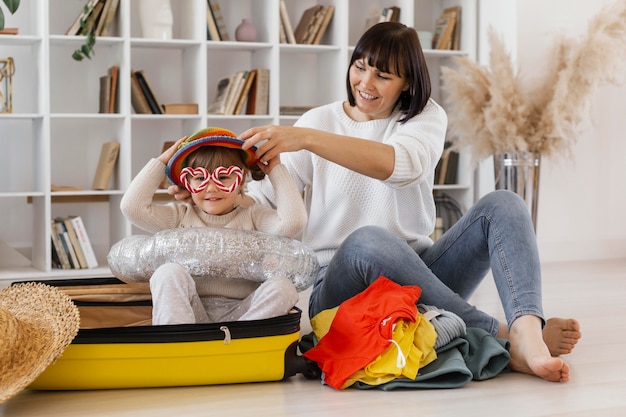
(593, 292)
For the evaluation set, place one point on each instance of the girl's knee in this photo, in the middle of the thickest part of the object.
(167, 272)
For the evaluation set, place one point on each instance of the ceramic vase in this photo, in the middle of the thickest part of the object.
(156, 19)
(246, 32)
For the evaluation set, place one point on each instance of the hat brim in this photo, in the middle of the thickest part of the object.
(37, 323)
(177, 163)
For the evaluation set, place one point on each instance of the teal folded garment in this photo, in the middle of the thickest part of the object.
(475, 356)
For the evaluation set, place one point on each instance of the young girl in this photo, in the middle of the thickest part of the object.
(212, 166)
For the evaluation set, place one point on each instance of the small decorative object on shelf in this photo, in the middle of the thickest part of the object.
(156, 19)
(7, 69)
(246, 32)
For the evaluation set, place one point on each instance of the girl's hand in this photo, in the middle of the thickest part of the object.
(268, 166)
(168, 153)
(180, 194)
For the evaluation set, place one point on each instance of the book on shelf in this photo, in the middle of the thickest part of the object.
(84, 14)
(180, 108)
(314, 25)
(92, 20)
(78, 250)
(219, 20)
(213, 33)
(218, 105)
(444, 28)
(453, 168)
(391, 14)
(64, 237)
(456, 33)
(59, 247)
(286, 23)
(258, 98)
(106, 164)
(113, 74)
(245, 92)
(137, 98)
(328, 13)
(282, 37)
(105, 94)
(83, 241)
(447, 167)
(108, 17)
(294, 110)
(57, 188)
(108, 91)
(236, 86)
(306, 23)
(148, 92)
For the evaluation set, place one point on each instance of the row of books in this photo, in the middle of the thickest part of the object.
(382, 14)
(96, 16)
(144, 100)
(109, 94)
(311, 27)
(71, 247)
(447, 33)
(142, 96)
(447, 167)
(243, 92)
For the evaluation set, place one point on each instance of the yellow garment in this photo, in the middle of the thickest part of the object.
(416, 339)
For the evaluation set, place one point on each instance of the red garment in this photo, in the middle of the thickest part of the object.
(362, 329)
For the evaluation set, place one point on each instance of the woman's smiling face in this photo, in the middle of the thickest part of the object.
(376, 93)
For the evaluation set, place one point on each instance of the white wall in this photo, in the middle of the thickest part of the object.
(582, 202)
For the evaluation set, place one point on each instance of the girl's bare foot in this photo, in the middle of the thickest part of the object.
(561, 335)
(531, 355)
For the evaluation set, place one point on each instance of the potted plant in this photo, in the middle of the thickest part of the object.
(12, 6)
(85, 51)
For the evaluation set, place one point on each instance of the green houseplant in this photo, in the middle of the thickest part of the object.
(12, 5)
(85, 51)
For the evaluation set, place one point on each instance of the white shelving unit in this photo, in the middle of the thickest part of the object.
(55, 132)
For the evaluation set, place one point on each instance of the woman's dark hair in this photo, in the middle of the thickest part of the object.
(394, 48)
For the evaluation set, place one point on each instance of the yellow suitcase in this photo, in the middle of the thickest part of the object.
(116, 347)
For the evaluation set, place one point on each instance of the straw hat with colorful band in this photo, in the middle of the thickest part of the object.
(37, 323)
(211, 136)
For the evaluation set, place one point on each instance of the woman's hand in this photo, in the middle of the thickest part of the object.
(272, 140)
(169, 152)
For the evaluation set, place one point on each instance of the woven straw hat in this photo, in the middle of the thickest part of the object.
(37, 323)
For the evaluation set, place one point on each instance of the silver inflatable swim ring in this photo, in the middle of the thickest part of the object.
(210, 252)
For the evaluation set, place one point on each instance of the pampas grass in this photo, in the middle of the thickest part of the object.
(493, 110)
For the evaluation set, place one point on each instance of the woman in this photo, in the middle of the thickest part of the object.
(366, 167)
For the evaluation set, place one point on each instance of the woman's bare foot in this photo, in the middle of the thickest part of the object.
(531, 355)
(561, 335)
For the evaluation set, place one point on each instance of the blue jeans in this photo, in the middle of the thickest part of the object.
(496, 233)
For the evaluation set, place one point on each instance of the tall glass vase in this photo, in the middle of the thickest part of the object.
(519, 172)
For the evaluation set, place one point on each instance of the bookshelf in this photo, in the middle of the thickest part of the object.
(55, 132)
